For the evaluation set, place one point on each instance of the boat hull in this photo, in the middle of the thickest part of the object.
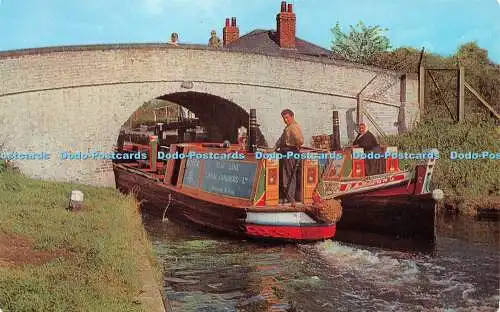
(250, 222)
(391, 211)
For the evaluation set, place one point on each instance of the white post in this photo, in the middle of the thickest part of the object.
(75, 200)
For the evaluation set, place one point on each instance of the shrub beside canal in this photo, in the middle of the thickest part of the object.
(468, 184)
(52, 259)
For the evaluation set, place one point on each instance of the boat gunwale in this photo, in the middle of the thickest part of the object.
(211, 198)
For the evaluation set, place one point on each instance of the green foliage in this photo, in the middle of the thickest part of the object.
(480, 72)
(103, 248)
(480, 132)
(462, 180)
(361, 44)
(471, 53)
(458, 177)
(145, 114)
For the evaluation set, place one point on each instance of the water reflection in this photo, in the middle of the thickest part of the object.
(476, 231)
(210, 272)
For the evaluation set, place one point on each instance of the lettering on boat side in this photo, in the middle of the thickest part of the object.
(229, 177)
(332, 187)
(191, 172)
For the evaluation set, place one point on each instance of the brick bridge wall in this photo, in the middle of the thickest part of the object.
(76, 98)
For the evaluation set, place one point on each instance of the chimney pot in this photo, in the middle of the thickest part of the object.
(283, 6)
(230, 33)
(285, 27)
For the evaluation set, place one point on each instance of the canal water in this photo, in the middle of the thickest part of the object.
(209, 272)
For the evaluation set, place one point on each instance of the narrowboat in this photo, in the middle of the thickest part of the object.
(230, 188)
(233, 195)
(397, 203)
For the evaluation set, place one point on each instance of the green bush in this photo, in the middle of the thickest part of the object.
(457, 177)
(144, 115)
(480, 72)
(438, 127)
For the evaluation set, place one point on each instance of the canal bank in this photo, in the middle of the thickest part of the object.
(486, 206)
(52, 259)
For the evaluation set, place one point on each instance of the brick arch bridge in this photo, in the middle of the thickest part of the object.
(76, 98)
(220, 116)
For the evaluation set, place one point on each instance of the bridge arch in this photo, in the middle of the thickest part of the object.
(77, 98)
(220, 116)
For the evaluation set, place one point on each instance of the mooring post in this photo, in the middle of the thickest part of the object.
(461, 94)
(121, 141)
(252, 140)
(153, 143)
(335, 139)
(159, 131)
(181, 131)
(359, 111)
(421, 89)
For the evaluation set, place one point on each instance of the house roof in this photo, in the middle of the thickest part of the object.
(264, 41)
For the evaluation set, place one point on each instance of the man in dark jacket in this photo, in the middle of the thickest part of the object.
(365, 139)
(369, 143)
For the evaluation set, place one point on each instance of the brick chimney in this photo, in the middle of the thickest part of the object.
(231, 32)
(285, 26)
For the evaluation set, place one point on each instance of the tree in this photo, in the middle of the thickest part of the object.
(481, 73)
(471, 54)
(361, 44)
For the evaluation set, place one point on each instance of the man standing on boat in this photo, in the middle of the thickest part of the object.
(365, 139)
(290, 141)
(369, 143)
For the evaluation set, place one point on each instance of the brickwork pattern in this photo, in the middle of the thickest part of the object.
(230, 32)
(76, 100)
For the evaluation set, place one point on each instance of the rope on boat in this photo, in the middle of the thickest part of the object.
(328, 211)
(163, 219)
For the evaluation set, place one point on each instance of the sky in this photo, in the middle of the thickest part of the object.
(438, 25)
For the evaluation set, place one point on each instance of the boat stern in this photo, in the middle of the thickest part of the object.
(287, 225)
(424, 173)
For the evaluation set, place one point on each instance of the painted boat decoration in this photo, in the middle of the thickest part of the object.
(233, 195)
(242, 195)
(240, 192)
(396, 202)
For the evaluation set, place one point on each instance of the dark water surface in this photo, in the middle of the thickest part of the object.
(209, 272)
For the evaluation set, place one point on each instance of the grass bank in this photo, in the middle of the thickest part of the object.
(52, 259)
(469, 185)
